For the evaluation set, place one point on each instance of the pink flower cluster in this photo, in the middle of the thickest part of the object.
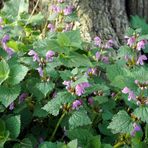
(76, 104)
(22, 97)
(66, 11)
(131, 41)
(91, 72)
(141, 59)
(98, 42)
(130, 93)
(4, 41)
(49, 58)
(79, 88)
(104, 58)
(136, 128)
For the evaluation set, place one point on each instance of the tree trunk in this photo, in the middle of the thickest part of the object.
(1, 4)
(105, 18)
(138, 7)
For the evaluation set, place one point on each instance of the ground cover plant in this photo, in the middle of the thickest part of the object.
(59, 91)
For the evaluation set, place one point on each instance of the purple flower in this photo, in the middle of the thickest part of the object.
(136, 81)
(76, 104)
(141, 59)
(51, 27)
(130, 93)
(35, 55)
(109, 44)
(90, 101)
(22, 97)
(9, 51)
(126, 90)
(56, 9)
(105, 59)
(97, 41)
(11, 106)
(113, 94)
(136, 129)
(5, 38)
(40, 71)
(141, 45)
(80, 88)
(91, 71)
(68, 10)
(49, 55)
(97, 55)
(131, 41)
(67, 84)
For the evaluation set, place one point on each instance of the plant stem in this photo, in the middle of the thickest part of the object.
(118, 144)
(60, 120)
(32, 11)
(19, 141)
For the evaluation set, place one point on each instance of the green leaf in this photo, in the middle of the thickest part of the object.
(37, 19)
(113, 71)
(45, 88)
(63, 40)
(4, 134)
(8, 94)
(26, 143)
(79, 118)
(2, 127)
(38, 112)
(124, 51)
(13, 124)
(100, 99)
(143, 37)
(4, 71)
(140, 74)
(75, 60)
(97, 87)
(75, 38)
(94, 142)
(141, 112)
(138, 22)
(121, 123)
(106, 146)
(53, 44)
(73, 144)
(17, 73)
(17, 7)
(53, 106)
(48, 145)
(13, 45)
(83, 135)
(103, 128)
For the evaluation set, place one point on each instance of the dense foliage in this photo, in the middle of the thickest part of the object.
(57, 90)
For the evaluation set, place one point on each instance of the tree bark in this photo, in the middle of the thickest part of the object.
(138, 7)
(1, 4)
(106, 18)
